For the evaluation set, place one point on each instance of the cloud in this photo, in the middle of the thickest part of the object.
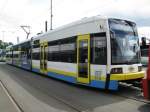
(14, 13)
(144, 32)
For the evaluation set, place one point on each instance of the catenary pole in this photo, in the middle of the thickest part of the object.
(51, 15)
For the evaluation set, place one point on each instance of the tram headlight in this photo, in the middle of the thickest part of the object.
(139, 68)
(116, 71)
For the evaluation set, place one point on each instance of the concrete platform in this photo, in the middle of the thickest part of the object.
(6, 105)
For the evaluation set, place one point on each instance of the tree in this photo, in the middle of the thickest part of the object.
(10, 43)
(3, 45)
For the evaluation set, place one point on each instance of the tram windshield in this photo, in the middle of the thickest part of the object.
(125, 47)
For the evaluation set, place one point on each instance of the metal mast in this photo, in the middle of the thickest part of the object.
(51, 16)
(26, 29)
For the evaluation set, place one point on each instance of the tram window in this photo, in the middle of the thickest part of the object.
(62, 50)
(7, 56)
(36, 46)
(56, 56)
(49, 56)
(11, 55)
(15, 55)
(68, 56)
(36, 56)
(29, 55)
(53, 54)
(68, 52)
(98, 50)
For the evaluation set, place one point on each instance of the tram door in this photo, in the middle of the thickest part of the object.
(43, 57)
(83, 58)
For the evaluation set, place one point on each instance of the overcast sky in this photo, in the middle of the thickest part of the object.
(14, 13)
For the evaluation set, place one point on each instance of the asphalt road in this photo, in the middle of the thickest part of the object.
(37, 93)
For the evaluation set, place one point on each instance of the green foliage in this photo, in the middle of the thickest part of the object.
(3, 45)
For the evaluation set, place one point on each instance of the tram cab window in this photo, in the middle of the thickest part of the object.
(98, 49)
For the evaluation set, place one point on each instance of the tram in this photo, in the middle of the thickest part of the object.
(97, 52)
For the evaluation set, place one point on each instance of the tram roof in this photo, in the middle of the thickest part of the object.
(21, 42)
(78, 22)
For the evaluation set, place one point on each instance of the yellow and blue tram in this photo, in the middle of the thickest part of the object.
(96, 51)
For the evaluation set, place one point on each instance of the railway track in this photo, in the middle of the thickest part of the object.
(12, 99)
(77, 108)
(136, 94)
(20, 109)
(76, 105)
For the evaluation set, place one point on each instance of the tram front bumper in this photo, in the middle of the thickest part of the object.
(127, 76)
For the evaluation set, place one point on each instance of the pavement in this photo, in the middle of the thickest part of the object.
(6, 104)
(37, 93)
